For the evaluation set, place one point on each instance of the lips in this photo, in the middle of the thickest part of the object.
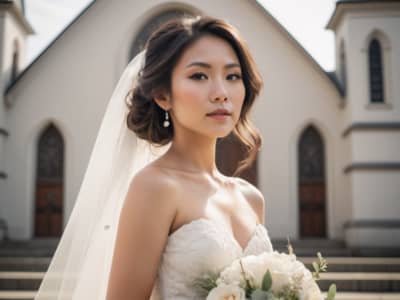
(223, 112)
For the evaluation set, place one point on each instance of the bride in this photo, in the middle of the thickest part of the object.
(158, 214)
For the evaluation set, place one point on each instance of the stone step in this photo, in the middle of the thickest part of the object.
(304, 252)
(302, 247)
(29, 295)
(32, 248)
(361, 282)
(20, 281)
(331, 247)
(345, 281)
(37, 264)
(335, 264)
(364, 296)
(20, 295)
(357, 264)
(310, 247)
(309, 243)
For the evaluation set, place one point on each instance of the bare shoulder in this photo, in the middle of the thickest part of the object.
(254, 196)
(152, 186)
(144, 224)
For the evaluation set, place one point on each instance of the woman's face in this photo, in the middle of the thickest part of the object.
(207, 77)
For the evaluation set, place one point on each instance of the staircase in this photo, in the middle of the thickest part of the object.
(22, 267)
(23, 264)
(359, 274)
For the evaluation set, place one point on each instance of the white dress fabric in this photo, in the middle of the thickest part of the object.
(198, 248)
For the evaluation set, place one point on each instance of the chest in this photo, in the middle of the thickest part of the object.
(225, 203)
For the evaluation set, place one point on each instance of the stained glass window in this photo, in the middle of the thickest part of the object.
(375, 72)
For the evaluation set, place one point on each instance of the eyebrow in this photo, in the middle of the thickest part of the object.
(206, 65)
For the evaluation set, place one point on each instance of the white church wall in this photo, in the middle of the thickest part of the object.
(376, 203)
(377, 146)
(73, 80)
(22, 151)
(378, 194)
(12, 35)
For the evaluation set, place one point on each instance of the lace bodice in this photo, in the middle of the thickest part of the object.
(198, 248)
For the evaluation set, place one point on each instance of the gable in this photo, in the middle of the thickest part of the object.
(330, 76)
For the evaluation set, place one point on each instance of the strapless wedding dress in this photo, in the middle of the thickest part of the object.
(198, 248)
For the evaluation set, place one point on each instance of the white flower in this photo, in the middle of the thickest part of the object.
(226, 292)
(311, 291)
(284, 268)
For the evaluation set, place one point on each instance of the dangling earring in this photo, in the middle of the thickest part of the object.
(166, 121)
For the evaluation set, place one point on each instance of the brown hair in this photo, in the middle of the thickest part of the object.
(163, 49)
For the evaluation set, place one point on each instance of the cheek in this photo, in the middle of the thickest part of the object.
(187, 97)
(184, 90)
(239, 95)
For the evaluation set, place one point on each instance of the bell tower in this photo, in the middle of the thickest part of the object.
(14, 29)
(367, 59)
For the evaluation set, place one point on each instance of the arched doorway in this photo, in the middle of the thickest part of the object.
(311, 184)
(49, 183)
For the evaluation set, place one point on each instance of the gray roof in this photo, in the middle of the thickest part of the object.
(331, 75)
(20, 75)
(11, 1)
(362, 1)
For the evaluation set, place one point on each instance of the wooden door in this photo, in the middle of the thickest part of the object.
(312, 209)
(229, 152)
(311, 187)
(49, 184)
(48, 216)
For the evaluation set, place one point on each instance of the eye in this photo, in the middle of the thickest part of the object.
(198, 76)
(234, 76)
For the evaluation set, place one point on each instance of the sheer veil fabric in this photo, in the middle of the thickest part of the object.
(81, 264)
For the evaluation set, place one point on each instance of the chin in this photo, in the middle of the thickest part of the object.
(222, 134)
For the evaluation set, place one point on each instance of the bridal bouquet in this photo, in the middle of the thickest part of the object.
(268, 276)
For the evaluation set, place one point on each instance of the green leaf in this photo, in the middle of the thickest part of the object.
(261, 295)
(315, 265)
(267, 281)
(331, 292)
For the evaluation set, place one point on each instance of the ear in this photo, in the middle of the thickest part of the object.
(163, 100)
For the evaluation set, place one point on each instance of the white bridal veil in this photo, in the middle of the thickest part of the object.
(81, 264)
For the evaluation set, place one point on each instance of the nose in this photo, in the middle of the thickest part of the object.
(219, 92)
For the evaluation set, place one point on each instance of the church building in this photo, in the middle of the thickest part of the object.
(329, 166)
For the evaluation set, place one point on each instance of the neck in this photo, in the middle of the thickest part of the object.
(194, 154)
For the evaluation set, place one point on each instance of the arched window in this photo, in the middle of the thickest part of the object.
(140, 40)
(343, 69)
(49, 183)
(376, 81)
(15, 59)
(50, 154)
(311, 184)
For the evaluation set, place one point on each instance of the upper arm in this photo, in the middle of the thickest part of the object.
(143, 228)
(255, 198)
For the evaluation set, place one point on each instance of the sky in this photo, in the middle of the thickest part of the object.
(304, 19)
